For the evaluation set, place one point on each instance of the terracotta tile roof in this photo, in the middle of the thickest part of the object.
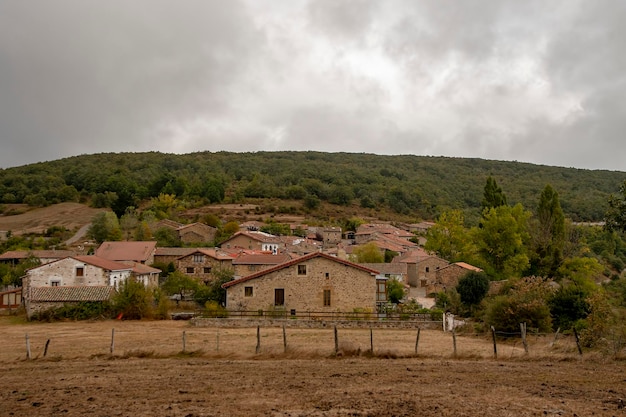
(141, 269)
(220, 255)
(261, 259)
(71, 294)
(465, 266)
(103, 263)
(126, 251)
(295, 262)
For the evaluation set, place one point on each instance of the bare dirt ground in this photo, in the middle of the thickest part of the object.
(70, 215)
(220, 374)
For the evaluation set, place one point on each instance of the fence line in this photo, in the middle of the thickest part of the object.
(250, 341)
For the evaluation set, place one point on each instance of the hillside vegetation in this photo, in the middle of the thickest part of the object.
(417, 187)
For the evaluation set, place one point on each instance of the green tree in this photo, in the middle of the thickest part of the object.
(368, 253)
(449, 238)
(502, 240)
(568, 305)
(129, 221)
(492, 196)
(395, 291)
(548, 234)
(615, 216)
(167, 237)
(213, 291)
(180, 284)
(105, 227)
(472, 288)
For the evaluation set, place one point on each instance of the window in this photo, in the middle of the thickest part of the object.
(198, 258)
(190, 270)
(326, 298)
(327, 275)
(206, 269)
(55, 283)
(80, 271)
(427, 269)
(381, 290)
(302, 269)
(279, 296)
(247, 291)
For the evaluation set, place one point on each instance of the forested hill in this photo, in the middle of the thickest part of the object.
(417, 186)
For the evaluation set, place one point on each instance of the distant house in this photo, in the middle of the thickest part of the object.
(249, 263)
(196, 233)
(141, 252)
(448, 276)
(315, 283)
(14, 257)
(165, 255)
(203, 263)
(253, 241)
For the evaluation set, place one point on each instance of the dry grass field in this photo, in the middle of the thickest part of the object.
(219, 373)
(36, 220)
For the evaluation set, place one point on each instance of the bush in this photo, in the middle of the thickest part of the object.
(81, 311)
(133, 301)
(525, 303)
(213, 309)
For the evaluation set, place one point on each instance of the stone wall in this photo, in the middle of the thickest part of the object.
(313, 324)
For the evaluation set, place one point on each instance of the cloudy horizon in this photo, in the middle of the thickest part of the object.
(537, 82)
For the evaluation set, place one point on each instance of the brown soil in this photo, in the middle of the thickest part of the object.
(149, 375)
(36, 220)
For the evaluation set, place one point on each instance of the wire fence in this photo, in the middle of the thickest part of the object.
(170, 338)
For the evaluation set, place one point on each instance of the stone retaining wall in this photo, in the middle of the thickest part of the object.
(314, 324)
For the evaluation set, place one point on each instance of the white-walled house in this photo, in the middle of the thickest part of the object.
(71, 279)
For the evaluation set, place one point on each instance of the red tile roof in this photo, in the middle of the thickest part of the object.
(261, 259)
(295, 262)
(126, 251)
(103, 263)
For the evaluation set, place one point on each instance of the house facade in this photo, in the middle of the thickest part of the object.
(313, 283)
(196, 233)
(204, 263)
(254, 241)
(250, 263)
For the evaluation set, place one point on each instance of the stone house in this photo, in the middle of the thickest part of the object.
(202, 263)
(196, 233)
(70, 272)
(254, 241)
(449, 276)
(316, 282)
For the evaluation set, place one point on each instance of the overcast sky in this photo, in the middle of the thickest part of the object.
(531, 81)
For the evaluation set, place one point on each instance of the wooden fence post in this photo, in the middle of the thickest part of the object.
(45, 349)
(258, 339)
(580, 351)
(184, 341)
(217, 340)
(454, 340)
(417, 339)
(112, 340)
(284, 339)
(336, 341)
(495, 347)
(371, 341)
(522, 327)
(27, 346)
